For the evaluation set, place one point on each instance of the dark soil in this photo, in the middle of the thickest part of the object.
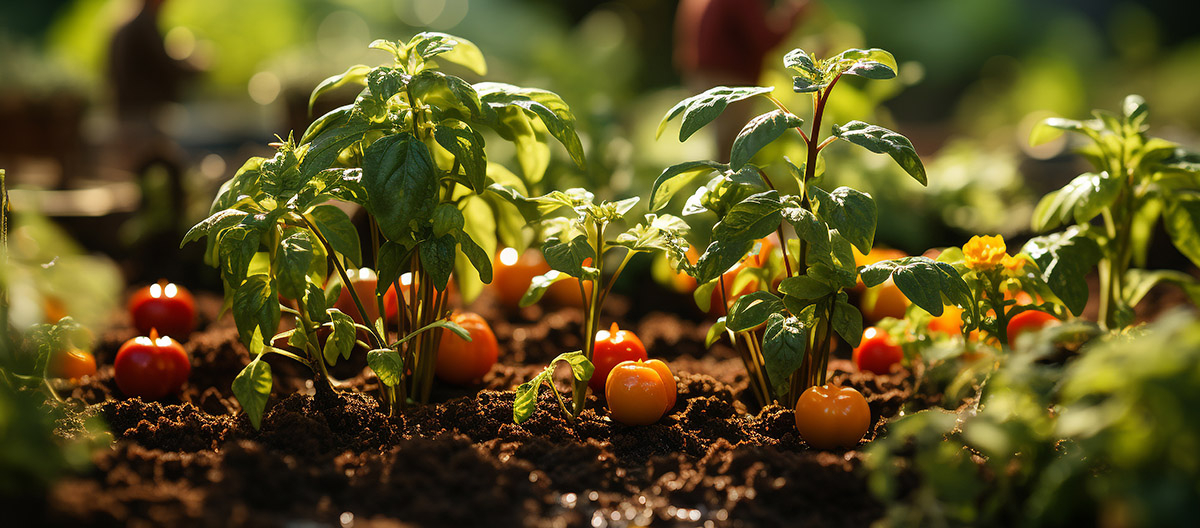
(713, 460)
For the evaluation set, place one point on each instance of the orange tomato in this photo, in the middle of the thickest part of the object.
(363, 281)
(613, 346)
(461, 362)
(512, 273)
(832, 416)
(72, 363)
(884, 300)
(668, 379)
(637, 393)
(949, 323)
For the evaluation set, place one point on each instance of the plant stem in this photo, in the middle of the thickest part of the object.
(377, 340)
(579, 391)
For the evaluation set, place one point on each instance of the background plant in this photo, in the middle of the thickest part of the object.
(577, 246)
(1138, 180)
(409, 152)
(811, 304)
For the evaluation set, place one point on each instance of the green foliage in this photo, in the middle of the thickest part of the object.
(1099, 437)
(525, 402)
(1137, 179)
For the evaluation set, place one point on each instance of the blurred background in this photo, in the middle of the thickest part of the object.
(123, 157)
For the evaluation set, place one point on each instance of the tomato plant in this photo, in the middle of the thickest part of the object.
(791, 352)
(831, 416)
(151, 367)
(638, 393)
(1138, 180)
(613, 346)
(461, 361)
(1028, 321)
(877, 352)
(410, 151)
(164, 306)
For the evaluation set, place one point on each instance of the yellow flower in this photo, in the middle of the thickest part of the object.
(1013, 265)
(984, 252)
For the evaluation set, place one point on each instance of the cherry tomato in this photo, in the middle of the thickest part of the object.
(832, 416)
(1028, 321)
(949, 323)
(165, 306)
(613, 346)
(151, 367)
(884, 300)
(461, 362)
(877, 352)
(72, 363)
(637, 393)
(512, 273)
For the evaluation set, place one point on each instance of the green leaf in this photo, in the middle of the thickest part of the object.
(447, 219)
(293, 259)
(525, 401)
(341, 341)
(808, 227)
(547, 106)
(256, 305)
(538, 286)
(316, 301)
(1081, 199)
(236, 247)
(568, 257)
(852, 213)
(467, 147)
(1182, 218)
(677, 177)
(1139, 282)
(390, 264)
(872, 63)
(402, 184)
(805, 287)
(656, 233)
(387, 364)
(338, 230)
(1050, 128)
(847, 321)
(758, 133)
(476, 254)
(784, 345)
(883, 141)
(343, 130)
(1064, 260)
(356, 74)
(702, 109)
(450, 48)
(808, 78)
(922, 280)
(252, 386)
(437, 259)
(214, 224)
(749, 220)
(715, 332)
(446, 92)
(752, 309)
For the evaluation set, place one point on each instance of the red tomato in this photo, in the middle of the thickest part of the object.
(613, 346)
(512, 273)
(72, 363)
(165, 306)
(461, 362)
(637, 393)
(877, 352)
(151, 367)
(832, 416)
(1028, 321)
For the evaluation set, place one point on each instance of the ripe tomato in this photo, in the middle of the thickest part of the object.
(949, 323)
(832, 416)
(668, 379)
(613, 346)
(1028, 321)
(884, 300)
(637, 392)
(461, 362)
(364, 281)
(877, 352)
(72, 363)
(151, 367)
(165, 306)
(512, 273)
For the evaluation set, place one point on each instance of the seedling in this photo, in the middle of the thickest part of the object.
(577, 246)
(408, 151)
(1138, 179)
(792, 352)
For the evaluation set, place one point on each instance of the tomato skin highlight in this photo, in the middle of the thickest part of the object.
(636, 393)
(461, 362)
(165, 306)
(877, 352)
(1028, 321)
(72, 363)
(613, 346)
(831, 416)
(151, 367)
